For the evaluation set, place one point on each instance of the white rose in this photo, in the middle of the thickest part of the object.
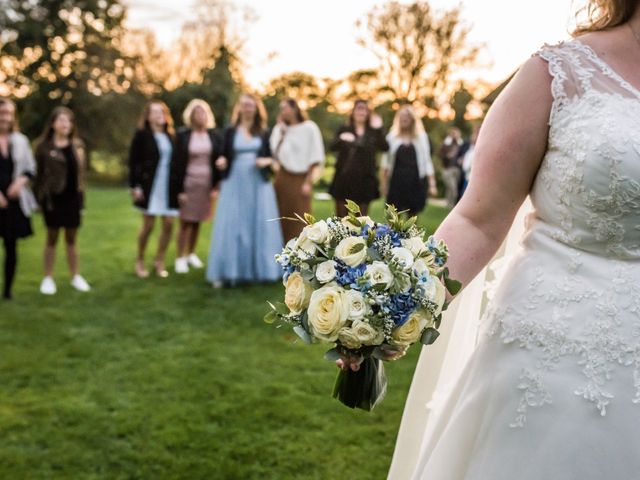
(366, 333)
(348, 338)
(403, 256)
(352, 251)
(414, 244)
(317, 232)
(358, 307)
(297, 293)
(421, 267)
(352, 228)
(291, 244)
(379, 274)
(328, 312)
(411, 331)
(326, 271)
(440, 296)
(305, 244)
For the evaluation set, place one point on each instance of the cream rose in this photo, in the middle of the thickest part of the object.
(353, 228)
(297, 293)
(403, 256)
(326, 271)
(440, 295)
(366, 333)
(348, 338)
(414, 244)
(379, 274)
(328, 312)
(317, 232)
(352, 251)
(412, 329)
(358, 307)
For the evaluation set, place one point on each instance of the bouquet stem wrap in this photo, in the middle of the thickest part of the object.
(364, 388)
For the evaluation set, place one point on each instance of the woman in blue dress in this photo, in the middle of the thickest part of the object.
(246, 234)
(154, 185)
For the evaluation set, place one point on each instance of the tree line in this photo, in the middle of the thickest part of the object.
(79, 53)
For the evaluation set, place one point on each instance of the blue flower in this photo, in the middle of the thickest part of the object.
(288, 270)
(348, 276)
(386, 230)
(400, 307)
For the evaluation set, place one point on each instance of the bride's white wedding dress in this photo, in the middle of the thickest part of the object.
(552, 388)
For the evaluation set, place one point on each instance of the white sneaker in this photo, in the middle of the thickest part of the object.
(182, 265)
(194, 261)
(80, 284)
(48, 286)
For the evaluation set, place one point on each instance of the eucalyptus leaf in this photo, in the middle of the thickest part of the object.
(270, 317)
(302, 333)
(353, 207)
(332, 355)
(429, 336)
(310, 219)
(358, 247)
(453, 286)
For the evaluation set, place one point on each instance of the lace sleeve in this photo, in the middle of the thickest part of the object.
(560, 78)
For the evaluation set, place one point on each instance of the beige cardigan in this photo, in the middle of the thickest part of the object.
(23, 163)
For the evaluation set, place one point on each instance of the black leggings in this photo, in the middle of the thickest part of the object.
(10, 262)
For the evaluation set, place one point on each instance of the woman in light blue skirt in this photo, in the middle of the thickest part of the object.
(246, 234)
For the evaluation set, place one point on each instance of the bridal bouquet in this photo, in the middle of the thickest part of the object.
(371, 289)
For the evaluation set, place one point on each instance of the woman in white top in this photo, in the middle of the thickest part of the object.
(407, 169)
(297, 147)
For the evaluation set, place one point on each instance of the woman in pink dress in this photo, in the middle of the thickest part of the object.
(197, 148)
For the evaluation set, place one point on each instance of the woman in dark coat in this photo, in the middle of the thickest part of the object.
(154, 184)
(198, 147)
(59, 186)
(357, 145)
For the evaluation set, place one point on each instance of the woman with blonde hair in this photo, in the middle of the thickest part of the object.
(547, 384)
(17, 170)
(197, 149)
(59, 186)
(153, 182)
(246, 233)
(407, 169)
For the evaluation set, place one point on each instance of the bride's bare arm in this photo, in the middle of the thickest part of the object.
(511, 145)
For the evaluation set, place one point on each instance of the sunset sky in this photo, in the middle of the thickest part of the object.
(318, 37)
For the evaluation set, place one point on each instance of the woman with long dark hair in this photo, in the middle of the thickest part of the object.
(356, 146)
(17, 170)
(59, 185)
(298, 149)
(197, 149)
(246, 233)
(154, 184)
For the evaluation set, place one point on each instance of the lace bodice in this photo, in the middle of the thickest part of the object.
(587, 193)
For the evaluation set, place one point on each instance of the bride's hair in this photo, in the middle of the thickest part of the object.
(604, 14)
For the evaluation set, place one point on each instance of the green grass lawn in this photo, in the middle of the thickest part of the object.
(169, 378)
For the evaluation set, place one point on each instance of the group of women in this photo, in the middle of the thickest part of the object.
(262, 179)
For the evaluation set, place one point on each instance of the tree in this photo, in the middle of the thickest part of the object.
(418, 48)
(61, 52)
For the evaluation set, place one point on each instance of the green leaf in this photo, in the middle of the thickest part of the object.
(358, 247)
(332, 355)
(270, 317)
(353, 207)
(302, 333)
(354, 221)
(453, 286)
(310, 219)
(429, 336)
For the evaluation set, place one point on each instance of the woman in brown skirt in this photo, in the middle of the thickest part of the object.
(296, 144)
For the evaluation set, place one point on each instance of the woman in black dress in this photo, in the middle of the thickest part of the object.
(356, 146)
(407, 170)
(60, 158)
(17, 168)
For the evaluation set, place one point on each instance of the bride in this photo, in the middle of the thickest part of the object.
(551, 387)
